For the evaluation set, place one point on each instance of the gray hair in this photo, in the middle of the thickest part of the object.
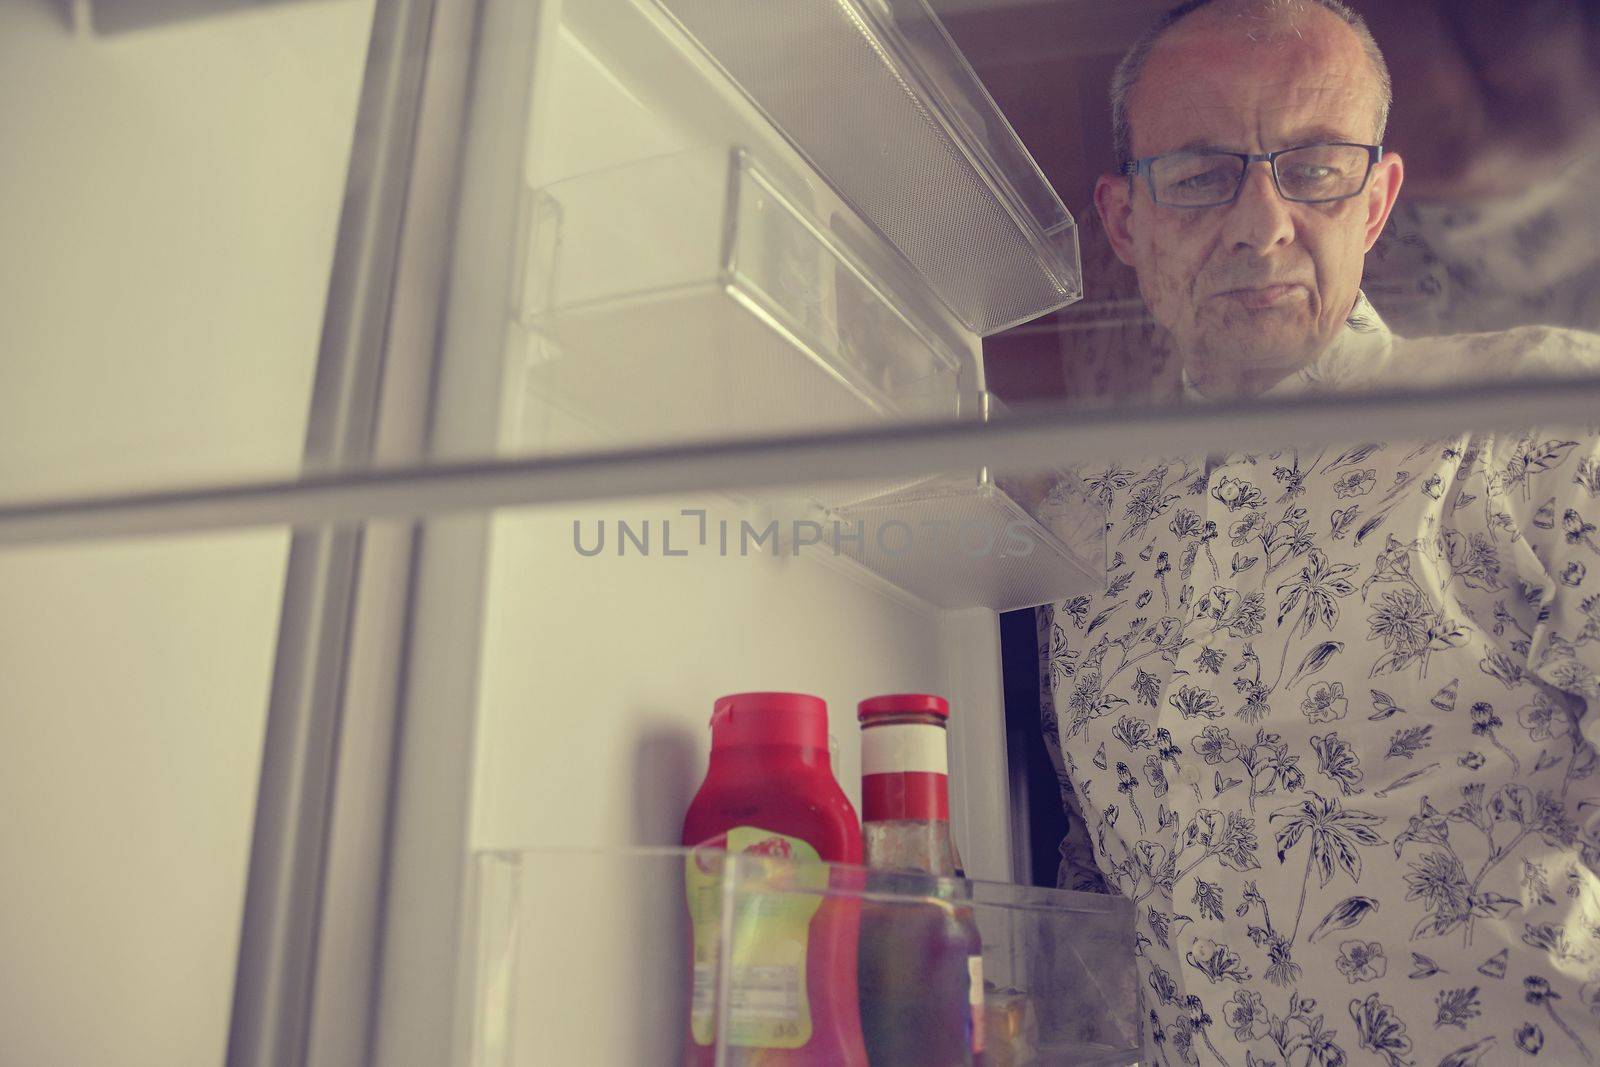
(1132, 66)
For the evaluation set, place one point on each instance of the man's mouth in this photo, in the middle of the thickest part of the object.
(1259, 298)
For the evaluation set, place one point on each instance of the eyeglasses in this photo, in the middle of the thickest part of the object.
(1306, 174)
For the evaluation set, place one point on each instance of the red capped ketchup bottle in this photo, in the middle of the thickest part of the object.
(921, 969)
(770, 790)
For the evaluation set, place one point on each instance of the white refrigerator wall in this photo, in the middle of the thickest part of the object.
(599, 671)
(170, 205)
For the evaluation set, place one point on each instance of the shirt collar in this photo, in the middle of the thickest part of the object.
(1358, 353)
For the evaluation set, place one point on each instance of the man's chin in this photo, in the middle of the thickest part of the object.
(1257, 349)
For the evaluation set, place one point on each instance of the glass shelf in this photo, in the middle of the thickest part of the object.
(583, 956)
(761, 467)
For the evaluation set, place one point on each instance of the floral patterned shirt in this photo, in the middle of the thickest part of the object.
(1330, 726)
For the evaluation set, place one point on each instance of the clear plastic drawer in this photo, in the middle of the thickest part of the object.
(584, 956)
(971, 539)
(880, 101)
(687, 296)
(960, 541)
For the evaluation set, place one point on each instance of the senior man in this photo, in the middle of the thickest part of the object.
(1330, 723)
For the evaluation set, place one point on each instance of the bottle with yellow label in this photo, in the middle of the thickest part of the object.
(791, 974)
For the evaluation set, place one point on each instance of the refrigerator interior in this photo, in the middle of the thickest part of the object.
(643, 164)
(676, 254)
(680, 270)
(672, 264)
(626, 224)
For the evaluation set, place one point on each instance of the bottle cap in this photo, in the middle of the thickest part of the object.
(903, 704)
(797, 719)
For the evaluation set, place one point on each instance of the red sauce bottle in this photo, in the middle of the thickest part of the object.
(770, 789)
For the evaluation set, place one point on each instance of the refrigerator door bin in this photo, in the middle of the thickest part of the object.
(961, 541)
(687, 297)
(583, 956)
(880, 101)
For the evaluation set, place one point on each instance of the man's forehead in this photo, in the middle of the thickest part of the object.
(1216, 85)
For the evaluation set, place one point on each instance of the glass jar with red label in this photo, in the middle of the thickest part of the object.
(921, 970)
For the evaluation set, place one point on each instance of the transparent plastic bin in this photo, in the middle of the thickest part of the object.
(687, 297)
(963, 540)
(583, 957)
(878, 98)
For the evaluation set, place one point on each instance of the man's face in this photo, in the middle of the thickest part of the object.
(1256, 289)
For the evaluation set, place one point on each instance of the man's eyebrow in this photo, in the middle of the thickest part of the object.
(1311, 135)
(1200, 144)
(1321, 135)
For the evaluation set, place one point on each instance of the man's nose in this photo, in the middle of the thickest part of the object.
(1259, 219)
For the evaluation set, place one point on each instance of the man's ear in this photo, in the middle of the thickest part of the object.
(1382, 190)
(1113, 200)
